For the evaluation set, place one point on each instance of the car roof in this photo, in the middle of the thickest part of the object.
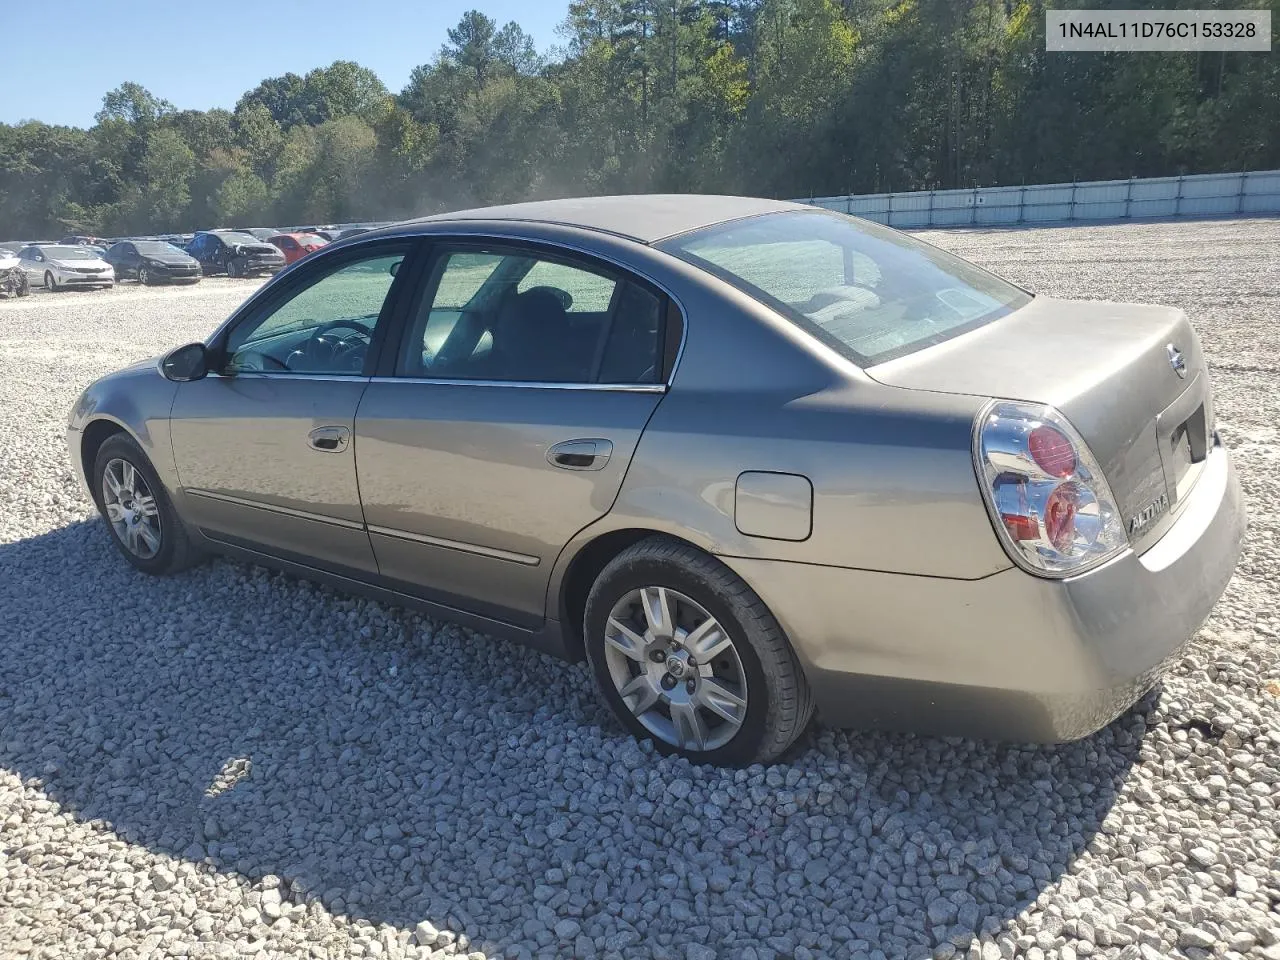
(644, 217)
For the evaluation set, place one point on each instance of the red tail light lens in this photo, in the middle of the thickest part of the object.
(1051, 451)
(1060, 516)
(1050, 504)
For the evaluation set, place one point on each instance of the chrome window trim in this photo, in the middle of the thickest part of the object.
(272, 508)
(480, 235)
(274, 375)
(475, 548)
(532, 384)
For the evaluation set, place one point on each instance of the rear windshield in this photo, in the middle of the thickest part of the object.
(870, 292)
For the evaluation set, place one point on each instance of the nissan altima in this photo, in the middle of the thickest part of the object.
(750, 460)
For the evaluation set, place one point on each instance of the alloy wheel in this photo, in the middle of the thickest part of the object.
(676, 669)
(142, 276)
(49, 282)
(131, 508)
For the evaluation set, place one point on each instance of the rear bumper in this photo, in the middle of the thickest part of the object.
(1011, 656)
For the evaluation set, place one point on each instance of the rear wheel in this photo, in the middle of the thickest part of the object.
(687, 655)
(137, 509)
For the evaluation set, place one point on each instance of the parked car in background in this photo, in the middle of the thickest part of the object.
(153, 261)
(295, 246)
(74, 240)
(234, 253)
(350, 232)
(57, 266)
(261, 233)
(748, 458)
(13, 282)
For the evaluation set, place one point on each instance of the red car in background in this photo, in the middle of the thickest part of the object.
(295, 246)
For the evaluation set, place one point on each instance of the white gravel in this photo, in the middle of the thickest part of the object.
(233, 762)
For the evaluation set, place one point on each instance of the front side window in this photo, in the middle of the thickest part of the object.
(525, 317)
(870, 292)
(325, 328)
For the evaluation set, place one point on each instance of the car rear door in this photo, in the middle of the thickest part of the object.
(263, 446)
(505, 421)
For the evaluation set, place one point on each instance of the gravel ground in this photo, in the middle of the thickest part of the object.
(233, 762)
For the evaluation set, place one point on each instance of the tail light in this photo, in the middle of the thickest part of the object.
(1049, 502)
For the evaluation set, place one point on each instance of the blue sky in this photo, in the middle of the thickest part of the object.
(193, 54)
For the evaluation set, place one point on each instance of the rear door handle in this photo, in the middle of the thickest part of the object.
(590, 454)
(329, 439)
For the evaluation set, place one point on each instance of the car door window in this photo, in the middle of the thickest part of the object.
(524, 317)
(324, 328)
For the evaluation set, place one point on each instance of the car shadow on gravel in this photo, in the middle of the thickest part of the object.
(400, 771)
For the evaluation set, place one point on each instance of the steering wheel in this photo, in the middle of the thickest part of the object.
(329, 352)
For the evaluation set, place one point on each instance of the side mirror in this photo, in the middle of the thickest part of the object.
(395, 267)
(189, 362)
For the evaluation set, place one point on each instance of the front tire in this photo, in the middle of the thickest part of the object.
(138, 512)
(49, 282)
(233, 269)
(143, 277)
(686, 654)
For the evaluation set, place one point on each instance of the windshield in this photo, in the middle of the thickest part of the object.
(69, 253)
(233, 237)
(870, 292)
(157, 248)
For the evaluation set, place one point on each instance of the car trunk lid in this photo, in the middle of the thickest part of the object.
(1112, 369)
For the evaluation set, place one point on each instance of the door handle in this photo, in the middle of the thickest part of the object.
(580, 454)
(329, 439)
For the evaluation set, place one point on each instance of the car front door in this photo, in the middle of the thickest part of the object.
(126, 260)
(263, 445)
(198, 248)
(505, 421)
(33, 264)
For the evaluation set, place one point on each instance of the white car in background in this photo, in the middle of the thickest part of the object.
(55, 266)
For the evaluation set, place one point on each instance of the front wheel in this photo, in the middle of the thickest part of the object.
(49, 282)
(138, 511)
(233, 269)
(143, 277)
(687, 655)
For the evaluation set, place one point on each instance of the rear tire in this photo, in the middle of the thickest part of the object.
(129, 495)
(688, 694)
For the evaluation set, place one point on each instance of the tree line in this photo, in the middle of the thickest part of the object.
(780, 98)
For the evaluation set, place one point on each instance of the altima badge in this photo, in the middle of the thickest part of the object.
(1144, 517)
(1177, 361)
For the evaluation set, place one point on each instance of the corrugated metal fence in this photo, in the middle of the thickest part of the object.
(1209, 194)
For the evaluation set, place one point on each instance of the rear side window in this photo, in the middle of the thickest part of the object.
(868, 291)
(519, 316)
